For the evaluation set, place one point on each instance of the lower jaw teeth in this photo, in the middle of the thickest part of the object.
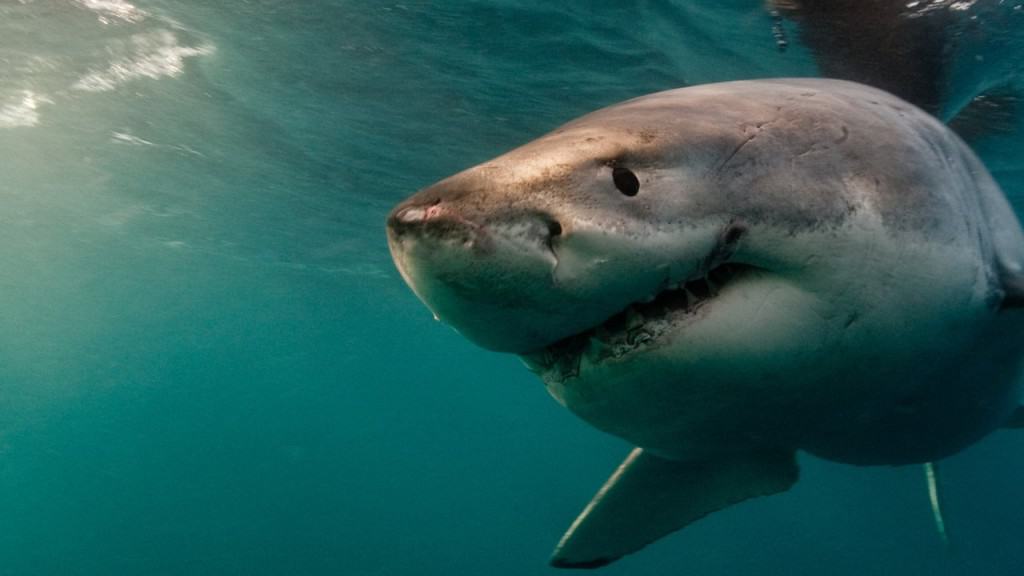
(623, 344)
(561, 365)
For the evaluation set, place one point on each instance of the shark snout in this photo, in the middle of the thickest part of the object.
(433, 220)
(481, 228)
(482, 263)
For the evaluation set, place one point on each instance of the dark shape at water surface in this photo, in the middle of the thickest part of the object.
(901, 47)
(953, 59)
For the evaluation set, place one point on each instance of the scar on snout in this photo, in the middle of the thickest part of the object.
(846, 134)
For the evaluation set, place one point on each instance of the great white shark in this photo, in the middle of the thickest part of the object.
(726, 274)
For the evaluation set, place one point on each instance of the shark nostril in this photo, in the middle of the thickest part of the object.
(554, 229)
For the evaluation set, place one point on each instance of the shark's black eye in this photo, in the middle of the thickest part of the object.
(625, 181)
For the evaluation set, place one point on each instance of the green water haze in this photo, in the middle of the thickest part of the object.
(208, 364)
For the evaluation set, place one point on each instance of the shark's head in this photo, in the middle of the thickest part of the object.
(721, 234)
(561, 236)
(578, 232)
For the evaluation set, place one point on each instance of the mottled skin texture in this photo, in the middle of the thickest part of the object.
(869, 329)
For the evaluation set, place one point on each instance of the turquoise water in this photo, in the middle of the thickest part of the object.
(209, 366)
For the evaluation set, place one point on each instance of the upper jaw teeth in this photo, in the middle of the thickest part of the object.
(695, 289)
(684, 295)
(639, 323)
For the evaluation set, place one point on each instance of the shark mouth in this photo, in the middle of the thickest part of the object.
(634, 327)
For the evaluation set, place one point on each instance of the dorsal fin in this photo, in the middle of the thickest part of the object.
(648, 497)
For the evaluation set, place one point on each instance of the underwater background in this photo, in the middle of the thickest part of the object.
(208, 364)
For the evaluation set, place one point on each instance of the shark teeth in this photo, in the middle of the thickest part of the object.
(638, 324)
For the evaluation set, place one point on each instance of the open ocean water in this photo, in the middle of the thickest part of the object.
(208, 364)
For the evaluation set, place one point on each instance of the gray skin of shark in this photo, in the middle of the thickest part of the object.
(739, 268)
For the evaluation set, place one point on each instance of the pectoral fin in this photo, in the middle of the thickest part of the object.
(649, 497)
